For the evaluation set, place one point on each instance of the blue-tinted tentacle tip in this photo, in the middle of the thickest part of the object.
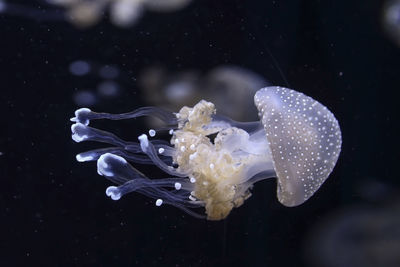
(79, 132)
(107, 162)
(82, 116)
(81, 158)
(113, 192)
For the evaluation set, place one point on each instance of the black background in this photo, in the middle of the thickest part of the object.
(53, 210)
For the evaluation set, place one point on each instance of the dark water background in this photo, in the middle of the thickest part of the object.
(53, 210)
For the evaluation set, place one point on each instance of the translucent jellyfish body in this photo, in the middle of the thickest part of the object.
(298, 140)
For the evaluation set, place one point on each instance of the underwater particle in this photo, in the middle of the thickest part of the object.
(297, 140)
(84, 98)
(108, 72)
(391, 19)
(79, 68)
(2, 6)
(108, 89)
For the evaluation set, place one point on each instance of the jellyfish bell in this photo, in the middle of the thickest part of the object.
(298, 140)
(304, 138)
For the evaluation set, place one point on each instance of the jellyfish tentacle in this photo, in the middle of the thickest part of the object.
(158, 192)
(116, 169)
(257, 178)
(149, 187)
(111, 165)
(188, 211)
(81, 132)
(93, 155)
(149, 149)
(85, 115)
(136, 148)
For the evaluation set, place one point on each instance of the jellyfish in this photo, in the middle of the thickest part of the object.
(86, 13)
(212, 161)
